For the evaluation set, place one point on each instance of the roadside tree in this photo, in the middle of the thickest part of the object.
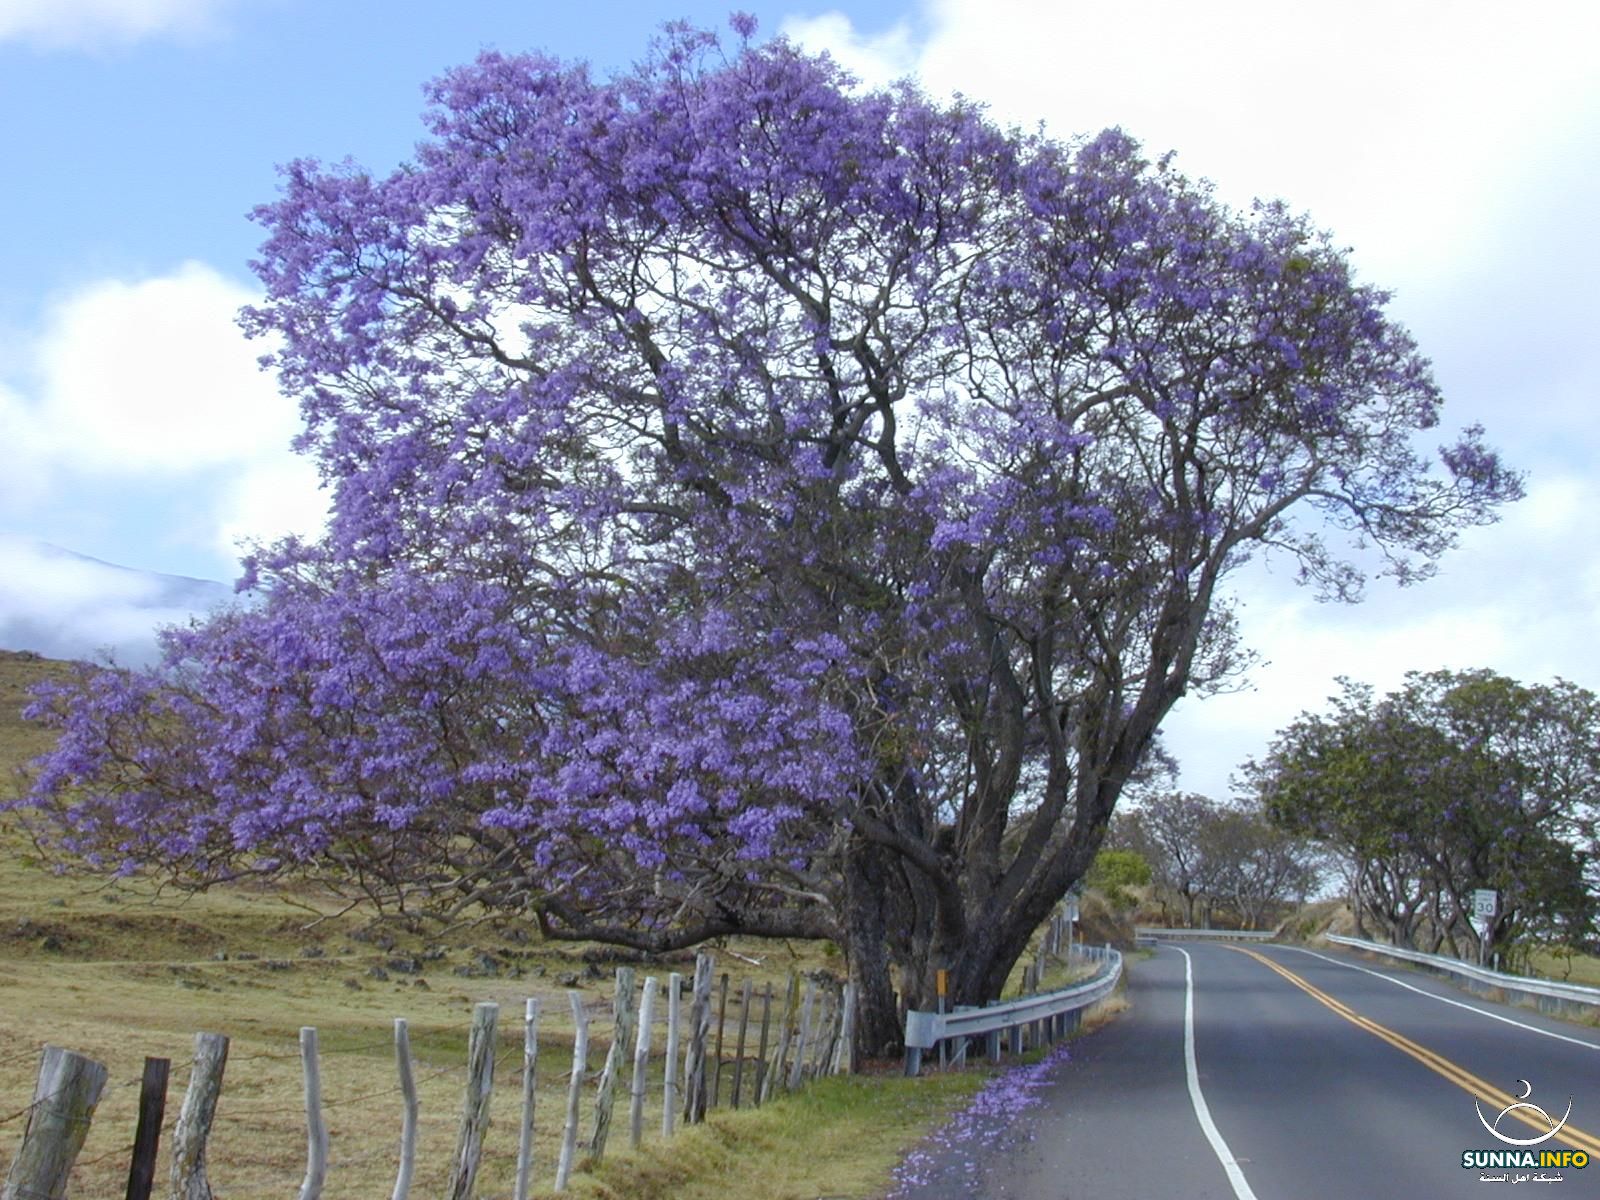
(759, 506)
(1457, 781)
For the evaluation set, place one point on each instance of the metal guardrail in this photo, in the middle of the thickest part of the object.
(1153, 932)
(1055, 1013)
(1547, 994)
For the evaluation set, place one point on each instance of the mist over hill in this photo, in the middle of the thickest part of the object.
(66, 605)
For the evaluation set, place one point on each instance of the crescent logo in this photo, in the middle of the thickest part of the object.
(1521, 1103)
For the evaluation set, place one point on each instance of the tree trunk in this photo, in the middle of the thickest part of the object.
(866, 882)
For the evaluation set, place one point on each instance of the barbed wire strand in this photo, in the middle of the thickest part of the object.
(22, 1112)
(100, 1158)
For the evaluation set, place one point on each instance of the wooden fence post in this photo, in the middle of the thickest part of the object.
(669, 1085)
(617, 1058)
(316, 1130)
(580, 1067)
(475, 1104)
(827, 1033)
(64, 1099)
(844, 1056)
(722, 1020)
(641, 1062)
(694, 1066)
(530, 1063)
(798, 1067)
(758, 1089)
(776, 1076)
(199, 1107)
(147, 1137)
(408, 1119)
(745, 994)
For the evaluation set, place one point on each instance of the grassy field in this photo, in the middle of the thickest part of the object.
(119, 971)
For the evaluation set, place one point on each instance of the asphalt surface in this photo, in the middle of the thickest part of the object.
(1366, 1090)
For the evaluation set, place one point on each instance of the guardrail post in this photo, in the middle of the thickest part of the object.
(922, 1031)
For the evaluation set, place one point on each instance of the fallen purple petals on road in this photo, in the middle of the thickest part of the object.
(953, 1147)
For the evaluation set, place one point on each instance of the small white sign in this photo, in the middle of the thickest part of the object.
(1484, 903)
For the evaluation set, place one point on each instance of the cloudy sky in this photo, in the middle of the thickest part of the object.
(1455, 147)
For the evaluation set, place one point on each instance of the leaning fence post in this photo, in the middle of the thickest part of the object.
(475, 1104)
(744, 1027)
(64, 1099)
(408, 1120)
(616, 1058)
(147, 1137)
(641, 1062)
(722, 1020)
(189, 1180)
(580, 1067)
(827, 1033)
(316, 1130)
(694, 1066)
(530, 1063)
(791, 1002)
(758, 1088)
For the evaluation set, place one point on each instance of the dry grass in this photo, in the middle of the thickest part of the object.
(120, 1012)
(121, 970)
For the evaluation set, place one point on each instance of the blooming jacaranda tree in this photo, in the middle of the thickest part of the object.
(759, 506)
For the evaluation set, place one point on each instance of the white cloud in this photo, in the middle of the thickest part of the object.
(155, 375)
(151, 381)
(24, 477)
(273, 499)
(1402, 126)
(874, 59)
(1499, 603)
(79, 24)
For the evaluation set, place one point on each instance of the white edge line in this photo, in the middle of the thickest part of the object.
(1482, 1012)
(1241, 1188)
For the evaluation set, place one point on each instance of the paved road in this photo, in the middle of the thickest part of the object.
(1316, 1076)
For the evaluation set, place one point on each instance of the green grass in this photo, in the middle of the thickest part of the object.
(839, 1138)
(1582, 969)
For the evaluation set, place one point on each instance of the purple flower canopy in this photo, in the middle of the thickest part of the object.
(745, 484)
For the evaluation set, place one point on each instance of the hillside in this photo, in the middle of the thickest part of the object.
(63, 604)
(20, 740)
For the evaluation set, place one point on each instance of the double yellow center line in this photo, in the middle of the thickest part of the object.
(1569, 1135)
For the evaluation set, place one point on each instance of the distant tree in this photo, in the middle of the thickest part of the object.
(1259, 866)
(1187, 859)
(1114, 871)
(759, 506)
(1458, 781)
(1203, 852)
